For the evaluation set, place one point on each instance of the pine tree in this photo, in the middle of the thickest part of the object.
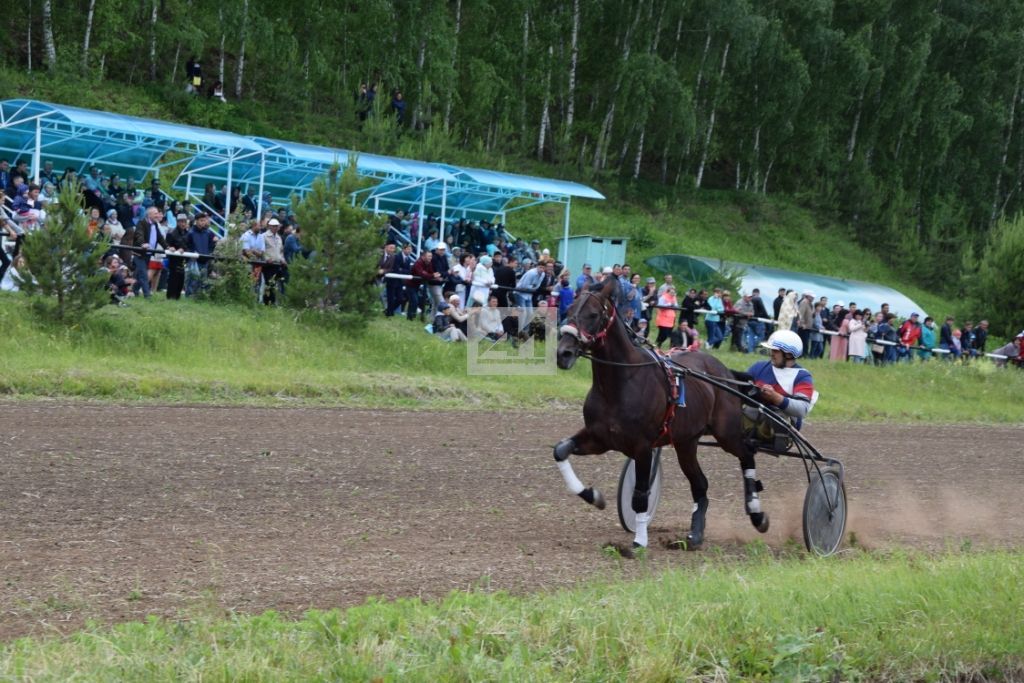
(336, 284)
(63, 273)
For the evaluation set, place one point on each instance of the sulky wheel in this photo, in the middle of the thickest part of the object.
(627, 482)
(825, 515)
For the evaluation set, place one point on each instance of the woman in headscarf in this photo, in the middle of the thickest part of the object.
(112, 227)
(788, 312)
(483, 278)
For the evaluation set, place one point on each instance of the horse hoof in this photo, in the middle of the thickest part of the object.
(694, 540)
(760, 521)
(599, 501)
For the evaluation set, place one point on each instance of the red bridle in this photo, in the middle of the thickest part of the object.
(586, 338)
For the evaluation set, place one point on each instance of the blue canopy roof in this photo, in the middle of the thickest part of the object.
(135, 147)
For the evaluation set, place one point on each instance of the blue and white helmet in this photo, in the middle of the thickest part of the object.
(786, 341)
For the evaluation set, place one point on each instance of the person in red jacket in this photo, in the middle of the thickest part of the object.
(910, 335)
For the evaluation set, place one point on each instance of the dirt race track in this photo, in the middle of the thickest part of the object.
(113, 513)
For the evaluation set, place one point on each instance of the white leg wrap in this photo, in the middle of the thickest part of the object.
(573, 483)
(754, 504)
(642, 520)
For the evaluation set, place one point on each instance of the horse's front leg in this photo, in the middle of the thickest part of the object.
(582, 442)
(751, 490)
(641, 494)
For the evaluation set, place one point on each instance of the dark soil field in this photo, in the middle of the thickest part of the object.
(112, 513)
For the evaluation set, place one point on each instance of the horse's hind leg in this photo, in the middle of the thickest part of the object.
(686, 453)
(582, 442)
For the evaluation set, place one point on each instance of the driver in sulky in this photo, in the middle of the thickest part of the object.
(782, 383)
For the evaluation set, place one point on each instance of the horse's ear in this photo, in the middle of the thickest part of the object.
(610, 286)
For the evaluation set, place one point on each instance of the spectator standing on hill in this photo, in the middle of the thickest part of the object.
(398, 107)
(740, 321)
(805, 320)
(910, 335)
(712, 319)
(817, 338)
(927, 338)
(980, 338)
(858, 344)
(666, 317)
(585, 279)
(423, 270)
(148, 235)
(177, 241)
(201, 240)
(777, 304)
(841, 341)
(666, 283)
(504, 277)
(946, 338)
(788, 313)
(649, 297)
(392, 286)
(967, 339)
(756, 327)
(194, 73)
(483, 278)
(441, 271)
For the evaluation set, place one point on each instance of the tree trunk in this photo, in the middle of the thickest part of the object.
(1006, 145)
(29, 22)
(449, 100)
(545, 116)
(48, 44)
(177, 57)
(675, 45)
(639, 154)
(711, 121)
(421, 58)
(241, 53)
(604, 139)
(574, 53)
(522, 94)
(767, 172)
(152, 40)
(88, 35)
(223, 39)
(851, 146)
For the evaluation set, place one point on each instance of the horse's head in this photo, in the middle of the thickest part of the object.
(587, 321)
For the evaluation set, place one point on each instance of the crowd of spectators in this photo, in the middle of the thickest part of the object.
(158, 244)
(478, 265)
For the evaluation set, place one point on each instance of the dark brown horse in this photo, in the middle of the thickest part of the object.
(628, 409)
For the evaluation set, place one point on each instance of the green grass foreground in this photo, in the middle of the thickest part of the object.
(895, 617)
(195, 352)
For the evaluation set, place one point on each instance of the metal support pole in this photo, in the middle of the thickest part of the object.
(227, 193)
(37, 154)
(565, 238)
(259, 196)
(421, 220)
(376, 206)
(444, 205)
(188, 185)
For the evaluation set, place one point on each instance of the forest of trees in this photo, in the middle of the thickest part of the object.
(901, 118)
